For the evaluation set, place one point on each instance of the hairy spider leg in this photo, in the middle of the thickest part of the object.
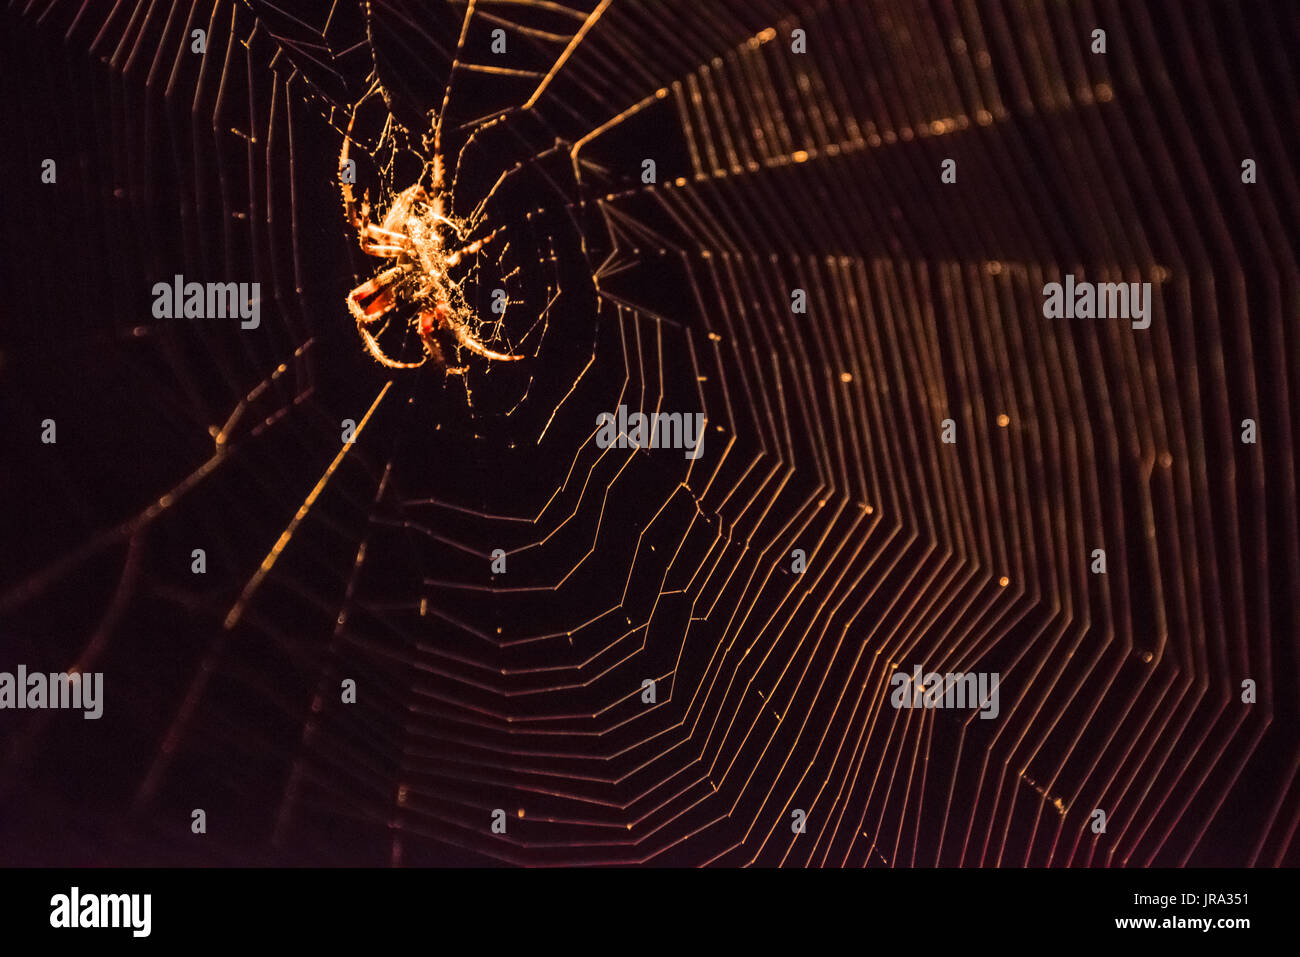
(473, 345)
(440, 316)
(428, 320)
(455, 257)
(381, 289)
(360, 221)
(349, 200)
(373, 345)
(376, 248)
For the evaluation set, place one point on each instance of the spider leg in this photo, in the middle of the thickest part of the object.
(378, 232)
(382, 251)
(349, 200)
(473, 345)
(373, 345)
(432, 319)
(381, 289)
(471, 249)
(384, 243)
(359, 219)
(429, 320)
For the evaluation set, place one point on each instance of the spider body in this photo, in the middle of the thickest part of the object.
(416, 233)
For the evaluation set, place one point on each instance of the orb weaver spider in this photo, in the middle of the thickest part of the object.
(412, 233)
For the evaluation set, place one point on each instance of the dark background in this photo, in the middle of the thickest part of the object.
(523, 691)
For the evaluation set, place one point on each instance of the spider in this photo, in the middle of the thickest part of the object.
(413, 234)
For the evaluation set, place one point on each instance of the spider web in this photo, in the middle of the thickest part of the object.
(522, 690)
